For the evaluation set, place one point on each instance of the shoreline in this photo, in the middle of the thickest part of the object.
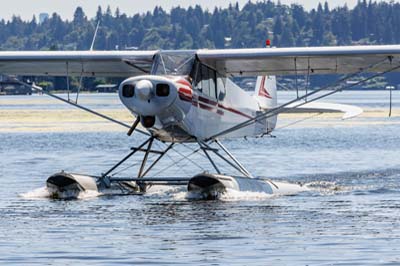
(44, 114)
(73, 120)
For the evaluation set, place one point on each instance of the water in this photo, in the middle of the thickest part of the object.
(370, 99)
(350, 215)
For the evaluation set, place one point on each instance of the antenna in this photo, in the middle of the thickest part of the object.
(95, 35)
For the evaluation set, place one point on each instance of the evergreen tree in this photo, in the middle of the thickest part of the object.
(79, 17)
(369, 22)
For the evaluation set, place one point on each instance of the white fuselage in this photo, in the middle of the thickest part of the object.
(187, 114)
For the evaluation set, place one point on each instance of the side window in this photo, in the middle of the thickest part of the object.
(221, 91)
(213, 87)
(196, 73)
(206, 81)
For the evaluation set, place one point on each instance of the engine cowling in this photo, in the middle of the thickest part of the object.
(147, 96)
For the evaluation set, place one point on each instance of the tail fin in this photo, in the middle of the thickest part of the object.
(265, 92)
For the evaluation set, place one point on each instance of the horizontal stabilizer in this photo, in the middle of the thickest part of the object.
(349, 111)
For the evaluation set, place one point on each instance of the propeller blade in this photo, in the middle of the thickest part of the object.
(133, 127)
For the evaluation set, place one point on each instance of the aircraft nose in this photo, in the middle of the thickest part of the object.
(144, 89)
(147, 95)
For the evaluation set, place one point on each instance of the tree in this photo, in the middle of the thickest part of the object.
(99, 14)
(318, 27)
(193, 27)
(79, 17)
(278, 27)
(341, 26)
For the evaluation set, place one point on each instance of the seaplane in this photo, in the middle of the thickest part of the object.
(188, 97)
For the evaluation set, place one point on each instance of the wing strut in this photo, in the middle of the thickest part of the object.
(308, 78)
(335, 87)
(39, 89)
(67, 77)
(390, 101)
(80, 84)
(296, 80)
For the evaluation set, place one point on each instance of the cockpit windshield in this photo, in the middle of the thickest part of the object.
(177, 63)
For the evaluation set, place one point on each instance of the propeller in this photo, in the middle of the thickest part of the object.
(133, 127)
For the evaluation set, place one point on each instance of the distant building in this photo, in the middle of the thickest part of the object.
(390, 87)
(11, 87)
(43, 17)
(107, 88)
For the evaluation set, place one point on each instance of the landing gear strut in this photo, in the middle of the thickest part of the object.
(207, 184)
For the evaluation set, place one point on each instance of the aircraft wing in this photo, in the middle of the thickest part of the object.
(88, 63)
(285, 61)
(234, 62)
(349, 111)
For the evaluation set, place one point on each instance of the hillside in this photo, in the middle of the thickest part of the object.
(192, 28)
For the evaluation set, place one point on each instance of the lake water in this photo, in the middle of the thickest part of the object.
(350, 215)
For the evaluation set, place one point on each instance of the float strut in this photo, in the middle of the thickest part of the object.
(146, 155)
(127, 157)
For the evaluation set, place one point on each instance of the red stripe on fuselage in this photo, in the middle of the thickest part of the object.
(234, 111)
(184, 82)
(206, 107)
(211, 102)
(202, 101)
(185, 94)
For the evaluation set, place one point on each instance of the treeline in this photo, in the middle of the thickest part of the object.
(192, 28)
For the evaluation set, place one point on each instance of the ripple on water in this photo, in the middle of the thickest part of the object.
(349, 216)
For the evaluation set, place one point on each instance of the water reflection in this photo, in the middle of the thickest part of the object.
(351, 214)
